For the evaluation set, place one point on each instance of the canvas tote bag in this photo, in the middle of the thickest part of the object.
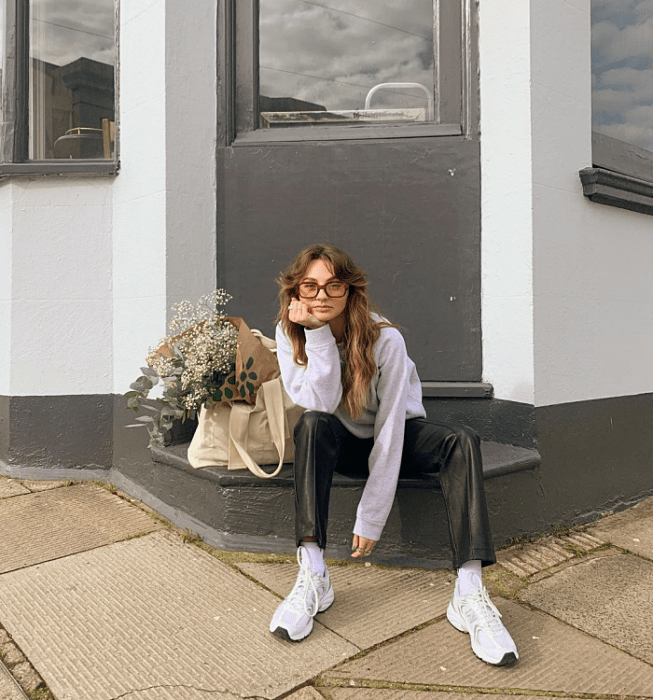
(240, 435)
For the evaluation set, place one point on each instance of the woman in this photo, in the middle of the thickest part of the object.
(348, 367)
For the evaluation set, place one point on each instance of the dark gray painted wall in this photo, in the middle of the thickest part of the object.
(62, 432)
(596, 456)
(408, 210)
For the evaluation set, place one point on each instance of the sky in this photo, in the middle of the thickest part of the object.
(622, 70)
(331, 52)
(62, 32)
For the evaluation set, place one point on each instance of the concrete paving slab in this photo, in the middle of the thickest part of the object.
(532, 558)
(153, 612)
(39, 527)
(8, 689)
(553, 657)
(9, 488)
(307, 693)
(180, 693)
(631, 529)
(36, 486)
(384, 694)
(372, 604)
(609, 597)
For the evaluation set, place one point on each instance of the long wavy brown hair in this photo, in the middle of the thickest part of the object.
(361, 330)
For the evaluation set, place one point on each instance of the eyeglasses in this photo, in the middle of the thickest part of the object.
(309, 290)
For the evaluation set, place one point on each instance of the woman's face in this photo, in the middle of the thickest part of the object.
(323, 307)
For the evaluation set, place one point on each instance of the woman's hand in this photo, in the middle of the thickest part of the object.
(300, 312)
(361, 547)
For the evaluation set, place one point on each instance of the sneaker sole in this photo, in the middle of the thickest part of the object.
(507, 660)
(283, 633)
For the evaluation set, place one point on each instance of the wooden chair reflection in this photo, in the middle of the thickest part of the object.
(109, 137)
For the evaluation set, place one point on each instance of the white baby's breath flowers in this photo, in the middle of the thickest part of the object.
(193, 361)
(203, 343)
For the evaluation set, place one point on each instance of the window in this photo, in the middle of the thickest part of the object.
(622, 105)
(622, 86)
(312, 68)
(60, 85)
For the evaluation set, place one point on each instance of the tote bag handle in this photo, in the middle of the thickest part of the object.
(271, 396)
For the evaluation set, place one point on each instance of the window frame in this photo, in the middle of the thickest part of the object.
(451, 31)
(14, 136)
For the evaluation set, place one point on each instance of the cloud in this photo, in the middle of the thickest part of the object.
(62, 32)
(614, 44)
(612, 100)
(610, 7)
(637, 82)
(644, 10)
(332, 54)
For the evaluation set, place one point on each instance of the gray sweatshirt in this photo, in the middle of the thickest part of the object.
(395, 396)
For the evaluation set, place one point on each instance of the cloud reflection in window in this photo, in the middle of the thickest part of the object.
(328, 54)
(622, 70)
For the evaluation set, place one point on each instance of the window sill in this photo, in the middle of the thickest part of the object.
(617, 190)
(349, 132)
(60, 167)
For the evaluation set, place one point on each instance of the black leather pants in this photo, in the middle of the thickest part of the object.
(323, 445)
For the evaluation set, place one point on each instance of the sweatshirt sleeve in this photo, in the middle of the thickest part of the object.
(316, 386)
(389, 427)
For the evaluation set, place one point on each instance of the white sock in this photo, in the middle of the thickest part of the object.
(470, 578)
(315, 557)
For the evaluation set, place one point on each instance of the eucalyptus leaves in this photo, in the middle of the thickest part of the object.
(192, 362)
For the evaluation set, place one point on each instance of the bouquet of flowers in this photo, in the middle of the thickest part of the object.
(196, 363)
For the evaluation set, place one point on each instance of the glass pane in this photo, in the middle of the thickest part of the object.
(622, 70)
(72, 59)
(319, 61)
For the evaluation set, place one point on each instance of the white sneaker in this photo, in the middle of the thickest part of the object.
(312, 593)
(476, 614)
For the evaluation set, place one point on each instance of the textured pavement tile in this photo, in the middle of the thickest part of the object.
(43, 485)
(631, 529)
(380, 694)
(9, 487)
(371, 604)
(307, 693)
(39, 527)
(8, 689)
(610, 597)
(179, 693)
(155, 612)
(553, 657)
(529, 559)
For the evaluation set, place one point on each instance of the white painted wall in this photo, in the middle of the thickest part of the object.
(164, 241)
(593, 276)
(506, 199)
(5, 285)
(59, 330)
(139, 204)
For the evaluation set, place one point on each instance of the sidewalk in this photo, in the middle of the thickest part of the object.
(99, 600)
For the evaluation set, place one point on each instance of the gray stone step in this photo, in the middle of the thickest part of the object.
(237, 510)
